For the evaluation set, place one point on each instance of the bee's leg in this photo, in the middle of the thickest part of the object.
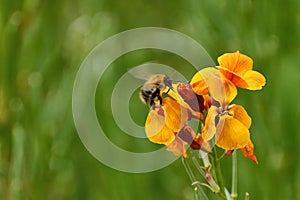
(160, 100)
(152, 102)
(168, 91)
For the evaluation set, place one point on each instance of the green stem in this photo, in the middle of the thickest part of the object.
(198, 191)
(218, 172)
(234, 193)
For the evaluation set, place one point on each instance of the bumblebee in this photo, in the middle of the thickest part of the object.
(150, 91)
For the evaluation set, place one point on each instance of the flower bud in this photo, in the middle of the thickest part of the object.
(196, 102)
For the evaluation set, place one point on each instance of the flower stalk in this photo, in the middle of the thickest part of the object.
(218, 172)
(247, 196)
(234, 193)
(198, 190)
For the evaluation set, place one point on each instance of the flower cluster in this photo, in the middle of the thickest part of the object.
(207, 98)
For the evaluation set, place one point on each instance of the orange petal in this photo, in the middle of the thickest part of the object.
(207, 102)
(177, 146)
(234, 134)
(209, 128)
(248, 151)
(214, 81)
(231, 91)
(220, 88)
(156, 129)
(235, 62)
(198, 84)
(237, 68)
(236, 79)
(255, 80)
(251, 80)
(239, 113)
(176, 115)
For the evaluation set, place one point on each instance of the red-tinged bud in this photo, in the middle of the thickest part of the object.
(197, 143)
(187, 134)
(213, 185)
(196, 102)
(229, 152)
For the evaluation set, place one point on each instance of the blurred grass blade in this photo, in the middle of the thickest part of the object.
(15, 173)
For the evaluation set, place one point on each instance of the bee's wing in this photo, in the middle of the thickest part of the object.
(139, 74)
(146, 70)
(143, 71)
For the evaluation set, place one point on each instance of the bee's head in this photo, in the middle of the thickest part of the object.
(168, 82)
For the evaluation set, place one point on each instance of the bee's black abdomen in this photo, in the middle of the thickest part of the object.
(150, 96)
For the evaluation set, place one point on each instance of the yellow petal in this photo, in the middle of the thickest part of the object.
(239, 113)
(235, 62)
(156, 129)
(234, 134)
(255, 80)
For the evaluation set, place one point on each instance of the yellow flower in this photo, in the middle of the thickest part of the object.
(163, 124)
(237, 68)
(234, 70)
(165, 121)
(167, 124)
(229, 126)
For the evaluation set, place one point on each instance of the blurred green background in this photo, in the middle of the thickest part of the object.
(42, 46)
